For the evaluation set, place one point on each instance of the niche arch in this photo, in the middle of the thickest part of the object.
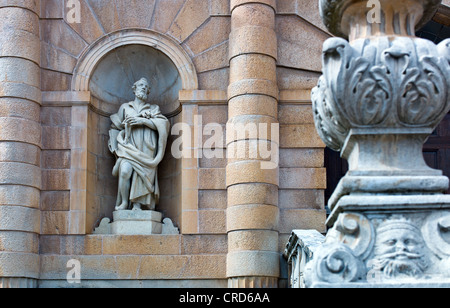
(131, 53)
(94, 53)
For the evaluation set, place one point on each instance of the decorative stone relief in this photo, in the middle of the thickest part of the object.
(405, 249)
(299, 252)
(399, 251)
(334, 263)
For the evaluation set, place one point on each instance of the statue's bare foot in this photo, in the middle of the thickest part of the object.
(122, 207)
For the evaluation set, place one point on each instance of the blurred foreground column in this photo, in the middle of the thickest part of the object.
(381, 95)
(20, 143)
(252, 147)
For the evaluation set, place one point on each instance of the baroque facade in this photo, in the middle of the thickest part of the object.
(215, 68)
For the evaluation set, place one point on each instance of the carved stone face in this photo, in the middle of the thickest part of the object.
(399, 252)
(141, 89)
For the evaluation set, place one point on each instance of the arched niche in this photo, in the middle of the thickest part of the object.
(108, 69)
(113, 78)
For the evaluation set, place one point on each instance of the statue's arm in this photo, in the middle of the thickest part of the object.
(114, 132)
(113, 143)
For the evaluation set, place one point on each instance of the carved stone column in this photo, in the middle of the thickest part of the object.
(381, 95)
(252, 180)
(20, 143)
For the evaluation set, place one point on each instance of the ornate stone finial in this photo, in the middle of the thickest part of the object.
(381, 95)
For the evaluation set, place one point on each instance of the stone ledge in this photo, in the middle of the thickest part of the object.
(135, 284)
(66, 98)
(203, 97)
(165, 267)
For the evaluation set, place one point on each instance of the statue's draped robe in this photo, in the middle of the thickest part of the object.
(144, 151)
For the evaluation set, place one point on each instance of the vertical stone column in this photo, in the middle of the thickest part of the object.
(252, 215)
(20, 143)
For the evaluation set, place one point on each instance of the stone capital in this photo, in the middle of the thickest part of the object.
(352, 18)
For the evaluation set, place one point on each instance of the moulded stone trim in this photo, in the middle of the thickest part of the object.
(95, 53)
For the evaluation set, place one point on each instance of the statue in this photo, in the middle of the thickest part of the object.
(138, 139)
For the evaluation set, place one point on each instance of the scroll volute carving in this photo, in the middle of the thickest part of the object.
(355, 231)
(436, 232)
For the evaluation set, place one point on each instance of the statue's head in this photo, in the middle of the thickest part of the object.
(141, 89)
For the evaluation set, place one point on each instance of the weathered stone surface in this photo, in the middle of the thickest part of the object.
(52, 9)
(139, 267)
(214, 32)
(20, 153)
(305, 178)
(17, 218)
(20, 174)
(386, 229)
(192, 15)
(252, 217)
(19, 195)
(263, 240)
(19, 265)
(253, 263)
(141, 245)
(212, 222)
(59, 34)
(253, 193)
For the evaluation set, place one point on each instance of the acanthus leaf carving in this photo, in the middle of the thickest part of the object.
(379, 83)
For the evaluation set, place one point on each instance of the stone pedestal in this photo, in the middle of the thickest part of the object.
(136, 223)
(382, 94)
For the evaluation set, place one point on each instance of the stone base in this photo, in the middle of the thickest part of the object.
(136, 223)
(383, 241)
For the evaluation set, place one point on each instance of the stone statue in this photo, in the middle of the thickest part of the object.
(138, 138)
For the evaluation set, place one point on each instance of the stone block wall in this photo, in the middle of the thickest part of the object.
(55, 169)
